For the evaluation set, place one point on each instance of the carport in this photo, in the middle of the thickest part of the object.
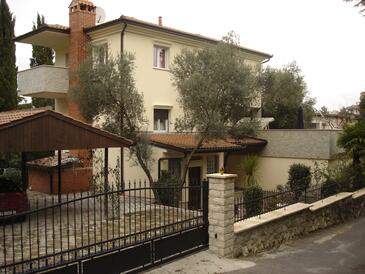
(37, 130)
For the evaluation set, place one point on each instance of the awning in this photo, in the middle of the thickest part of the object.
(187, 142)
(46, 130)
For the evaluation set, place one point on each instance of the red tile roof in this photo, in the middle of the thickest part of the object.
(187, 142)
(57, 26)
(52, 161)
(10, 116)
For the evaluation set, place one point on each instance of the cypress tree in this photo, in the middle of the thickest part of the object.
(41, 56)
(8, 69)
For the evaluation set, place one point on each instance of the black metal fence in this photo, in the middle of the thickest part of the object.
(275, 199)
(86, 225)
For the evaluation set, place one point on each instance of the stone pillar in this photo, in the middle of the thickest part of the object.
(221, 213)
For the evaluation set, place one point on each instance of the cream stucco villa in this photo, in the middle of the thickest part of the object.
(154, 47)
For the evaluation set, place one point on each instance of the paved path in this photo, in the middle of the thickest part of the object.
(337, 250)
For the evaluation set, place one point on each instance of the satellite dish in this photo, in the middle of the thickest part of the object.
(100, 15)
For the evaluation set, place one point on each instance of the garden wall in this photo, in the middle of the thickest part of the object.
(270, 230)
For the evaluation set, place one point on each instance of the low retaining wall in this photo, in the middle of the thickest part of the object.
(270, 230)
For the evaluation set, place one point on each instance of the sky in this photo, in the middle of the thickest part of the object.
(325, 38)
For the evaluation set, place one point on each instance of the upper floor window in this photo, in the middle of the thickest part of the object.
(161, 120)
(160, 57)
(100, 53)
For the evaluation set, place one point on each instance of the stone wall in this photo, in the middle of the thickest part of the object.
(272, 229)
(300, 143)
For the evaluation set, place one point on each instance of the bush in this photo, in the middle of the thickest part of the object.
(250, 166)
(168, 188)
(299, 179)
(330, 187)
(253, 197)
(350, 178)
(11, 179)
(356, 177)
(12, 174)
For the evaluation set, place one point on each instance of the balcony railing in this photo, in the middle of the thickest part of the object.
(44, 81)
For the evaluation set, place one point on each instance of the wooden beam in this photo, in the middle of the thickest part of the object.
(106, 181)
(24, 171)
(59, 167)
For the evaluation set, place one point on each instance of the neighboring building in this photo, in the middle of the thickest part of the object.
(333, 120)
(292, 146)
(154, 46)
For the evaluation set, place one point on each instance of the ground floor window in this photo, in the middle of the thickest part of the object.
(212, 164)
(175, 167)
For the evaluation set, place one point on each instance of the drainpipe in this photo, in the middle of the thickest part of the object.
(122, 38)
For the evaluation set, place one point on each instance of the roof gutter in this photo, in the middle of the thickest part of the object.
(266, 60)
(138, 23)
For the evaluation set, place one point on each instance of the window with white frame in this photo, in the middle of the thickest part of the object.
(160, 57)
(100, 53)
(161, 120)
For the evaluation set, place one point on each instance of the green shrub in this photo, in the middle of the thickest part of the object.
(330, 187)
(250, 165)
(299, 179)
(168, 188)
(253, 197)
(13, 174)
(356, 177)
(350, 178)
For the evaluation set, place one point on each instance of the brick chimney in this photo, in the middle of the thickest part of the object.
(160, 21)
(82, 14)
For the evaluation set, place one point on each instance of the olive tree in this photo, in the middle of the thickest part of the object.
(106, 92)
(215, 90)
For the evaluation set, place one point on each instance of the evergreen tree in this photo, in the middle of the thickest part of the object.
(284, 91)
(41, 56)
(8, 69)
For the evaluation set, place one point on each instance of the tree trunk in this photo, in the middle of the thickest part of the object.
(142, 163)
(148, 174)
(186, 168)
(355, 159)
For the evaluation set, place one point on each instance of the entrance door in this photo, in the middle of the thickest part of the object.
(194, 189)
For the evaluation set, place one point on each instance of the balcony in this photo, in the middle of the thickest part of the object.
(44, 81)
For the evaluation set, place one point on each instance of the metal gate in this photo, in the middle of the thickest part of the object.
(110, 232)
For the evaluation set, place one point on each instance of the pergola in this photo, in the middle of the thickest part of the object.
(38, 130)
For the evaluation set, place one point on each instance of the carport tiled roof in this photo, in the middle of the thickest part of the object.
(187, 142)
(10, 116)
(44, 130)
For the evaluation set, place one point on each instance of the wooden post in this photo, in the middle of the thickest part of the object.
(106, 181)
(59, 175)
(24, 171)
(122, 186)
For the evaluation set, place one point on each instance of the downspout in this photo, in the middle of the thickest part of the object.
(122, 38)
(122, 183)
(263, 62)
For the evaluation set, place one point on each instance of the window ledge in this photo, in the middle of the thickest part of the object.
(163, 69)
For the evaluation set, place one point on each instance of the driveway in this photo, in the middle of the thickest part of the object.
(340, 249)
